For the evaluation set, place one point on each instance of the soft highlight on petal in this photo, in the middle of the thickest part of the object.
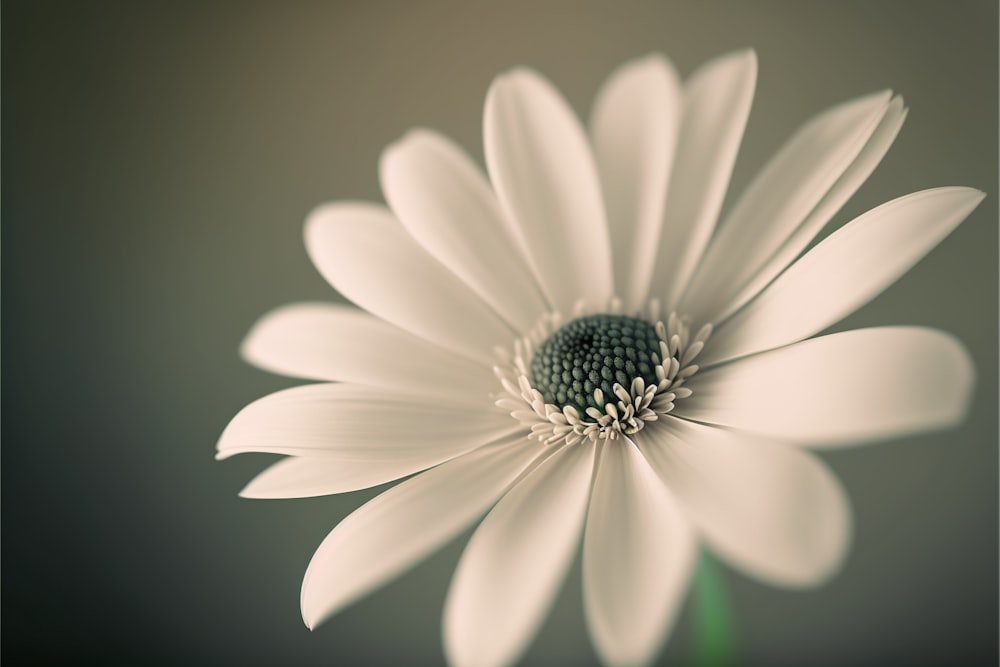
(542, 168)
(859, 171)
(638, 555)
(334, 342)
(717, 100)
(779, 200)
(397, 529)
(446, 204)
(322, 475)
(364, 252)
(633, 127)
(845, 271)
(844, 388)
(516, 561)
(769, 509)
(360, 423)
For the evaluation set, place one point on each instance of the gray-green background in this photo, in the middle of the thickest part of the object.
(158, 161)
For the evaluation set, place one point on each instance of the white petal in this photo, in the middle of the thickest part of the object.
(772, 510)
(862, 167)
(843, 388)
(365, 253)
(779, 200)
(325, 341)
(634, 129)
(362, 424)
(515, 562)
(717, 99)
(544, 174)
(446, 203)
(638, 555)
(400, 527)
(845, 271)
(309, 476)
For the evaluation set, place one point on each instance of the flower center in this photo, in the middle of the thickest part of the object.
(594, 352)
(600, 377)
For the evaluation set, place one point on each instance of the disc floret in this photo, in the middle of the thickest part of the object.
(599, 376)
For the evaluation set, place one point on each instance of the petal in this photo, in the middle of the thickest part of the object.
(544, 174)
(779, 200)
(361, 424)
(717, 99)
(515, 562)
(838, 389)
(771, 510)
(447, 205)
(638, 555)
(322, 475)
(333, 342)
(397, 529)
(862, 167)
(634, 129)
(844, 272)
(365, 253)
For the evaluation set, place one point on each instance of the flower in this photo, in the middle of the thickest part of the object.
(576, 350)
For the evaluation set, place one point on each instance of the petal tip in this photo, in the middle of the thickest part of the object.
(977, 195)
(742, 63)
(875, 103)
(310, 618)
(964, 197)
(249, 492)
(414, 136)
(747, 58)
(315, 227)
(653, 59)
(965, 373)
(738, 69)
(222, 452)
(652, 69)
(250, 345)
(513, 76)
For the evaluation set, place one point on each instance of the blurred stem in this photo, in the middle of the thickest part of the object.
(713, 621)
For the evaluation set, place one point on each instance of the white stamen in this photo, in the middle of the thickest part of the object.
(637, 404)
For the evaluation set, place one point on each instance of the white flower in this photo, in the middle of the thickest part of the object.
(704, 394)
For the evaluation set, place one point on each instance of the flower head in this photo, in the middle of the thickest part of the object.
(580, 348)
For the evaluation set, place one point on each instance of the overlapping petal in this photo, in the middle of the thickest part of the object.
(862, 167)
(447, 204)
(516, 561)
(717, 100)
(333, 342)
(321, 475)
(634, 127)
(779, 200)
(844, 272)
(364, 252)
(400, 527)
(361, 424)
(840, 389)
(638, 554)
(542, 168)
(770, 509)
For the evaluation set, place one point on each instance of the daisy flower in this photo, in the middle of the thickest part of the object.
(579, 347)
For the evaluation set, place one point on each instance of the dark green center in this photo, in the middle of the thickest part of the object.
(593, 352)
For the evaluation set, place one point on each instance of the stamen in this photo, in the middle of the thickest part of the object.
(598, 377)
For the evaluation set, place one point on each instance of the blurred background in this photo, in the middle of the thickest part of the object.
(158, 161)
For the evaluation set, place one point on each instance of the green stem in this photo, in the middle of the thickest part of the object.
(713, 621)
